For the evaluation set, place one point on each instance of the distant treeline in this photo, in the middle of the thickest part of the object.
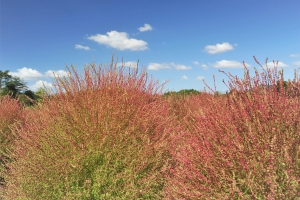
(186, 92)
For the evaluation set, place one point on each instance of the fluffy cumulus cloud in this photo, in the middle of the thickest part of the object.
(130, 64)
(40, 84)
(32, 74)
(200, 78)
(196, 63)
(78, 46)
(184, 77)
(27, 74)
(146, 27)
(60, 73)
(204, 66)
(273, 64)
(158, 66)
(219, 48)
(296, 63)
(180, 67)
(229, 64)
(120, 41)
(295, 55)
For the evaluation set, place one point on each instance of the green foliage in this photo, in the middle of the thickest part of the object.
(188, 92)
(181, 93)
(13, 86)
(41, 92)
(4, 77)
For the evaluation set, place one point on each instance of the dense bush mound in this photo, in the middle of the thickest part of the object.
(100, 137)
(10, 111)
(244, 146)
(112, 134)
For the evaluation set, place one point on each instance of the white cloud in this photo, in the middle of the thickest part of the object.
(180, 67)
(40, 84)
(158, 66)
(296, 63)
(200, 78)
(204, 66)
(196, 63)
(120, 40)
(184, 77)
(78, 46)
(219, 48)
(59, 73)
(130, 64)
(146, 27)
(229, 64)
(295, 55)
(271, 64)
(27, 74)
(32, 74)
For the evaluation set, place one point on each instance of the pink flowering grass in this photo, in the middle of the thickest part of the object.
(101, 136)
(10, 111)
(244, 146)
(109, 134)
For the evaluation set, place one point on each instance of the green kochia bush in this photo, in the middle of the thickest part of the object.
(101, 136)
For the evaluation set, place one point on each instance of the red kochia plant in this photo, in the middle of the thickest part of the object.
(10, 111)
(244, 146)
(100, 136)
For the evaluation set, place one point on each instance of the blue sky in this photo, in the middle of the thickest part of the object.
(181, 42)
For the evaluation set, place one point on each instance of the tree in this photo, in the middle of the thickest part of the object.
(188, 92)
(41, 92)
(183, 92)
(4, 77)
(28, 98)
(11, 85)
(16, 88)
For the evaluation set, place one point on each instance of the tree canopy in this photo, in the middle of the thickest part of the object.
(11, 85)
(16, 88)
(183, 92)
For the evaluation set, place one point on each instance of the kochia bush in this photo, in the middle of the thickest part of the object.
(111, 134)
(244, 146)
(99, 137)
(10, 111)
